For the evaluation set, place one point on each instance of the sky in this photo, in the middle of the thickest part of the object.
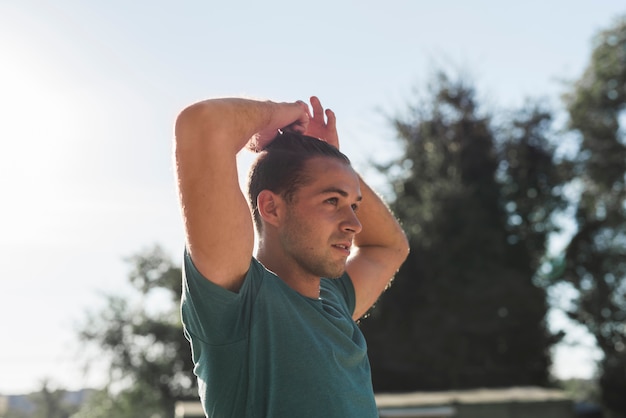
(89, 92)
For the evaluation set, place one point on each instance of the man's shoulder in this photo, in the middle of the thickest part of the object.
(340, 289)
(196, 281)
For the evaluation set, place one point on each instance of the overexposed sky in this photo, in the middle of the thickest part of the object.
(89, 92)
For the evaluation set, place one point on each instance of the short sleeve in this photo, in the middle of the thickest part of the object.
(211, 313)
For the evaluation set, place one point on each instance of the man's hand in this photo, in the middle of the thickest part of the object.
(291, 117)
(323, 124)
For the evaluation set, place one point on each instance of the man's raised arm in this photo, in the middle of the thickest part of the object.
(216, 216)
(382, 247)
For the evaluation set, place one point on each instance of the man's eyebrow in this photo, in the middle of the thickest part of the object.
(340, 192)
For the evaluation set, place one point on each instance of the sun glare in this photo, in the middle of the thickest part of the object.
(38, 117)
(41, 122)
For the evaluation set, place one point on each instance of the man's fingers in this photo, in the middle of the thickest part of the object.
(304, 107)
(318, 110)
(299, 126)
(331, 119)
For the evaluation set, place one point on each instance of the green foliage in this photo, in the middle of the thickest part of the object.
(477, 204)
(138, 401)
(46, 403)
(532, 184)
(150, 360)
(581, 390)
(595, 259)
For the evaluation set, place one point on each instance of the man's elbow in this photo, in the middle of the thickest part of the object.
(190, 120)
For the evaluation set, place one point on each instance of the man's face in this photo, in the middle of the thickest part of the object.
(320, 222)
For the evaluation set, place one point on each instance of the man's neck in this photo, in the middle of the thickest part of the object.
(290, 273)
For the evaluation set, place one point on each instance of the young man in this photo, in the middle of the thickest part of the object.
(275, 335)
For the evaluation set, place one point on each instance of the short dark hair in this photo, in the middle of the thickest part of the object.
(280, 167)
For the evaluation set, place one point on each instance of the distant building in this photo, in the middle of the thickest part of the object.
(4, 405)
(189, 409)
(516, 402)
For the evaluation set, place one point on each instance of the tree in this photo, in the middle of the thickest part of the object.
(477, 205)
(46, 403)
(595, 259)
(51, 404)
(150, 360)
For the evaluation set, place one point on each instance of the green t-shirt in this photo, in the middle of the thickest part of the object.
(268, 351)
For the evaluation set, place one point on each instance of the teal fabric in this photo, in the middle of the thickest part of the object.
(268, 351)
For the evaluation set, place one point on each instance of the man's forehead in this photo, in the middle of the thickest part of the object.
(331, 175)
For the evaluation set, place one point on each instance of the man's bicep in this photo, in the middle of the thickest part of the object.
(217, 220)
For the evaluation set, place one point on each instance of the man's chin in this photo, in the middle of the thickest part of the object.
(336, 275)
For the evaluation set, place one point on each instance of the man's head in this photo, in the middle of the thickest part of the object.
(280, 167)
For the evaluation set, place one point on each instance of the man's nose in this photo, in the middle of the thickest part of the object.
(351, 222)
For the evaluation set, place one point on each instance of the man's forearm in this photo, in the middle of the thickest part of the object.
(380, 227)
(236, 122)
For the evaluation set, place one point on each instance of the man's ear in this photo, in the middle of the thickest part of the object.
(270, 207)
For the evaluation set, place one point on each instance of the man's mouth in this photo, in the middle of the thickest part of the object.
(343, 247)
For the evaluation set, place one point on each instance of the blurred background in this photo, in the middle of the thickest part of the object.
(495, 130)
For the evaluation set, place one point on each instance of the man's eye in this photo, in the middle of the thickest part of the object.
(333, 201)
(355, 207)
